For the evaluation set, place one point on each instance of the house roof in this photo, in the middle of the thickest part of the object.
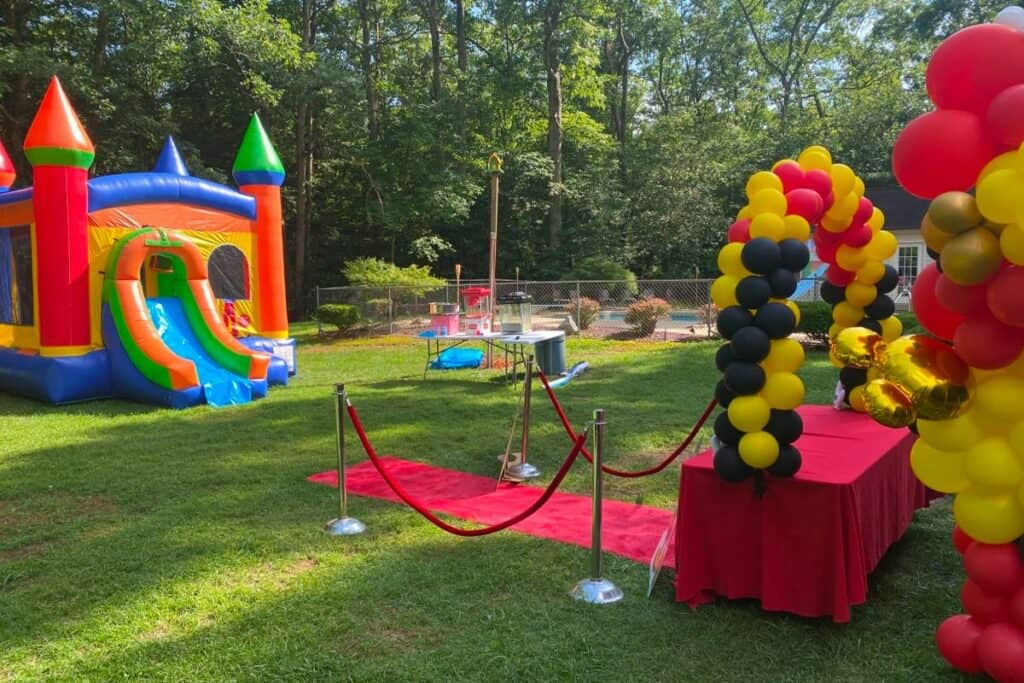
(903, 211)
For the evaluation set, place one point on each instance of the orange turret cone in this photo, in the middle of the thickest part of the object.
(7, 172)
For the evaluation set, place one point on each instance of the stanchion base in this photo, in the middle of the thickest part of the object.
(344, 526)
(522, 470)
(596, 591)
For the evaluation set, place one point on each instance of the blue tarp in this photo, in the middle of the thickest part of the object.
(456, 359)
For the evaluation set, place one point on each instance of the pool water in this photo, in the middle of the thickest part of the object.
(620, 317)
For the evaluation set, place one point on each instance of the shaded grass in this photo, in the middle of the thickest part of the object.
(146, 544)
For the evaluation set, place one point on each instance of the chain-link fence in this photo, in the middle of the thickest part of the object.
(594, 303)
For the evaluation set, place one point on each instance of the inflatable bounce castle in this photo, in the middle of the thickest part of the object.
(156, 287)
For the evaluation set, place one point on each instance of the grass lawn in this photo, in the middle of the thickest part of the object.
(139, 543)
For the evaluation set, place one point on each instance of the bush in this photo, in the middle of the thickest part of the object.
(378, 308)
(606, 269)
(371, 272)
(341, 316)
(815, 320)
(910, 323)
(585, 309)
(643, 315)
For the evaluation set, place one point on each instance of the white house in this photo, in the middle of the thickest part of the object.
(903, 214)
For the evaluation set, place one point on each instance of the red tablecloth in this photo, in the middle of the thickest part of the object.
(808, 544)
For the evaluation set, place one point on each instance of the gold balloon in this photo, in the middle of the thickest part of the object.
(971, 257)
(887, 405)
(934, 238)
(954, 212)
(855, 346)
(928, 373)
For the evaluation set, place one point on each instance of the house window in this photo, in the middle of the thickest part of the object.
(229, 273)
(907, 262)
(16, 296)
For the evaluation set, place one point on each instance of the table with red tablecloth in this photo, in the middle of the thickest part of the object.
(807, 544)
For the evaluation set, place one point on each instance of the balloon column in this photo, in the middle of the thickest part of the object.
(973, 297)
(761, 265)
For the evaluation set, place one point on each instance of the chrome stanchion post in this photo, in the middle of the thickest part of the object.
(596, 589)
(343, 525)
(522, 469)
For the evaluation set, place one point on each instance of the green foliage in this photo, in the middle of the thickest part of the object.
(371, 272)
(585, 310)
(815, 320)
(910, 323)
(341, 316)
(622, 282)
(643, 315)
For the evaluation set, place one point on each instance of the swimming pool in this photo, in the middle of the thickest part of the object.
(676, 317)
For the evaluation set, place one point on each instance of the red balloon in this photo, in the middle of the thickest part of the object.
(1000, 651)
(857, 235)
(932, 315)
(838, 276)
(997, 568)
(1004, 296)
(821, 182)
(1017, 608)
(987, 608)
(984, 342)
(941, 151)
(971, 67)
(1003, 119)
(958, 298)
(961, 540)
(957, 638)
(791, 175)
(806, 203)
(864, 210)
(739, 231)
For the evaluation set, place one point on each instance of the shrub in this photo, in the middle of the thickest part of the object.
(815, 320)
(606, 269)
(371, 272)
(378, 308)
(585, 309)
(643, 314)
(910, 323)
(341, 316)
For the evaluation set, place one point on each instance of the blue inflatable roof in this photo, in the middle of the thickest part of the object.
(152, 188)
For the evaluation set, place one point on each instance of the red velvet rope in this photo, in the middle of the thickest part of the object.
(621, 473)
(418, 507)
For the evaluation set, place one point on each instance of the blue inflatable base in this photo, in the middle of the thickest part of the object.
(65, 379)
(277, 373)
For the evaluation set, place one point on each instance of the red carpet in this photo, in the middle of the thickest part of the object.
(629, 530)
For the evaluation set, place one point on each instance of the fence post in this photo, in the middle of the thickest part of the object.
(579, 306)
(319, 325)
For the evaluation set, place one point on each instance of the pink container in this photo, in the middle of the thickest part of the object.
(444, 324)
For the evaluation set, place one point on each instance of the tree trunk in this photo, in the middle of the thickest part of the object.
(303, 164)
(99, 51)
(553, 65)
(463, 63)
(432, 10)
(368, 62)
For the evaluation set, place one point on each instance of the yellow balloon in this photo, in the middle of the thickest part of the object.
(1006, 160)
(768, 225)
(749, 413)
(994, 228)
(892, 328)
(997, 195)
(939, 470)
(858, 186)
(1016, 439)
(1011, 243)
(934, 238)
(992, 466)
(815, 157)
(763, 180)
(857, 399)
(791, 305)
(846, 314)
(783, 390)
(1001, 396)
(796, 227)
(851, 258)
(834, 330)
(870, 273)
(882, 246)
(877, 220)
(723, 291)
(769, 201)
(856, 346)
(842, 179)
(860, 294)
(887, 404)
(989, 518)
(745, 212)
(958, 434)
(786, 355)
(759, 449)
(833, 224)
(730, 261)
(971, 257)
(844, 207)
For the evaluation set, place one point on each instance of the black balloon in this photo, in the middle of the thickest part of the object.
(788, 463)
(785, 425)
(733, 319)
(889, 280)
(776, 320)
(723, 394)
(783, 283)
(744, 378)
(750, 344)
(853, 377)
(831, 293)
(724, 356)
(724, 430)
(871, 325)
(913, 426)
(730, 466)
(753, 291)
(761, 255)
(794, 255)
(881, 308)
(932, 253)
